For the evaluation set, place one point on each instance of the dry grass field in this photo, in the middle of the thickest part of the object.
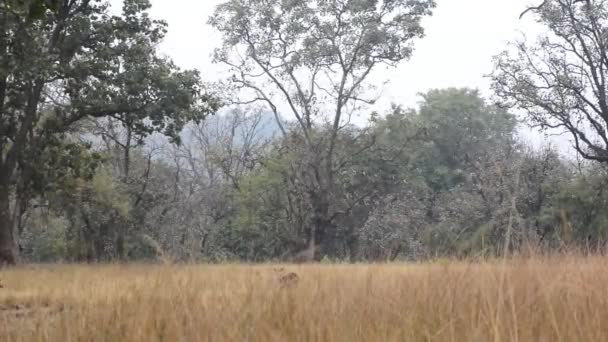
(535, 299)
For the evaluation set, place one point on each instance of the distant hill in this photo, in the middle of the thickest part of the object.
(267, 127)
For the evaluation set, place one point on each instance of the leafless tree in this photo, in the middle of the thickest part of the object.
(207, 169)
(560, 82)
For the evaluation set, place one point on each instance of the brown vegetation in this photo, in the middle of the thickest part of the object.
(537, 299)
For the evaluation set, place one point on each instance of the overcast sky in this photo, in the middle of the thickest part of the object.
(461, 38)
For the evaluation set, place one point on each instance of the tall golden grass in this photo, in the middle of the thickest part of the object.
(532, 299)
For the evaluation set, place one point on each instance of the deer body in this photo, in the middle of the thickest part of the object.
(307, 255)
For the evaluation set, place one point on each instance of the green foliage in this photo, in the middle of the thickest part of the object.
(59, 166)
(32, 9)
(107, 66)
(105, 191)
(264, 226)
(388, 40)
(316, 57)
(447, 173)
(448, 178)
(460, 127)
(78, 61)
(582, 209)
(45, 239)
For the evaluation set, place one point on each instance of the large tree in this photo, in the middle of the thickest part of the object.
(75, 61)
(560, 81)
(443, 183)
(314, 58)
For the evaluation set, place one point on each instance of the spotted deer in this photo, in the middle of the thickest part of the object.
(289, 280)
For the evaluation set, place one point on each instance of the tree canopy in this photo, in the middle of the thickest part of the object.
(316, 57)
(108, 151)
(78, 61)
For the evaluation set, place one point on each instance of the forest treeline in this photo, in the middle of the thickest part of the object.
(112, 152)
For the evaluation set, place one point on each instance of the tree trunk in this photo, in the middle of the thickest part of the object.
(8, 250)
(321, 233)
(394, 254)
(121, 225)
(120, 247)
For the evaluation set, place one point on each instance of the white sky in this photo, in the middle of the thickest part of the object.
(461, 38)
